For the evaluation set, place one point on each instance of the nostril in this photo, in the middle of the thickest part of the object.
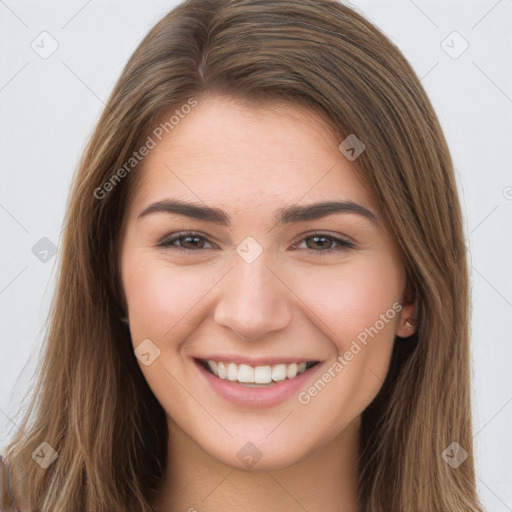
(243, 337)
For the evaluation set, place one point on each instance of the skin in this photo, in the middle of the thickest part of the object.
(249, 161)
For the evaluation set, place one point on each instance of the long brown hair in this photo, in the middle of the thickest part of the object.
(91, 403)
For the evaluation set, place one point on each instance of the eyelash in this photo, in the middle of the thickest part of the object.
(167, 242)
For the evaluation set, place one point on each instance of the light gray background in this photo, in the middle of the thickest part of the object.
(48, 108)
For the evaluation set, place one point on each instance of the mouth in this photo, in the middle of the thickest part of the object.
(256, 376)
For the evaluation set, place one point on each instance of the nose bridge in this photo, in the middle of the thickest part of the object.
(252, 300)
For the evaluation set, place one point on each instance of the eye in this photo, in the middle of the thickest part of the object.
(191, 241)
(323, 239)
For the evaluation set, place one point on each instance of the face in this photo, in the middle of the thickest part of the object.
(259, 281)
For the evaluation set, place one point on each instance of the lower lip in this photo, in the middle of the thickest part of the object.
(256, 397)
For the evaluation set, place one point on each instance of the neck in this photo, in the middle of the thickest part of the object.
(197, 482)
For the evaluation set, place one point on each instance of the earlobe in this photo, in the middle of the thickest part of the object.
(407, 325)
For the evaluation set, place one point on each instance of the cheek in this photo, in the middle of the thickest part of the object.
(159, 296)
(357, 308)
(350, 298)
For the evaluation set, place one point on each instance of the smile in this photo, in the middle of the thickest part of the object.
(256, 376)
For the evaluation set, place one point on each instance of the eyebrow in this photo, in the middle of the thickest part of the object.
(287, 215)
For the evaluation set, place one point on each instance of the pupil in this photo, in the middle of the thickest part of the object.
(317, 240)
(188, 238)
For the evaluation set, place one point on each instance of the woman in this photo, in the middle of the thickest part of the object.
(207, 350)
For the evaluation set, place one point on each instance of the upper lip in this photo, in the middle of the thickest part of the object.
(262, 361)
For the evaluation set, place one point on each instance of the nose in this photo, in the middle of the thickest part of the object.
(241, 336)
(253, 300)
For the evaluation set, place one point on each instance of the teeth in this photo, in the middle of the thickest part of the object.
(232, 372)
(291, 370)
(246, 374)
(262, 374)
(279, 372)
(221, 370)
(214, 367)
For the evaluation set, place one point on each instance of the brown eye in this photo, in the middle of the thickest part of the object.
(326, 244)
(188, 242)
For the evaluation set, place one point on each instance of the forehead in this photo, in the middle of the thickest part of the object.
(227, 153)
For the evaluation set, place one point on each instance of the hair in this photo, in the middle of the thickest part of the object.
(91, 403)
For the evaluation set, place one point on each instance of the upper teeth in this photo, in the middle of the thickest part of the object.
(256, 374)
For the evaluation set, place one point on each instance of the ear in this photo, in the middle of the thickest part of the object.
(407, 320)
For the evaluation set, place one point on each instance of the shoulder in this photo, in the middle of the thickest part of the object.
(7, 503)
